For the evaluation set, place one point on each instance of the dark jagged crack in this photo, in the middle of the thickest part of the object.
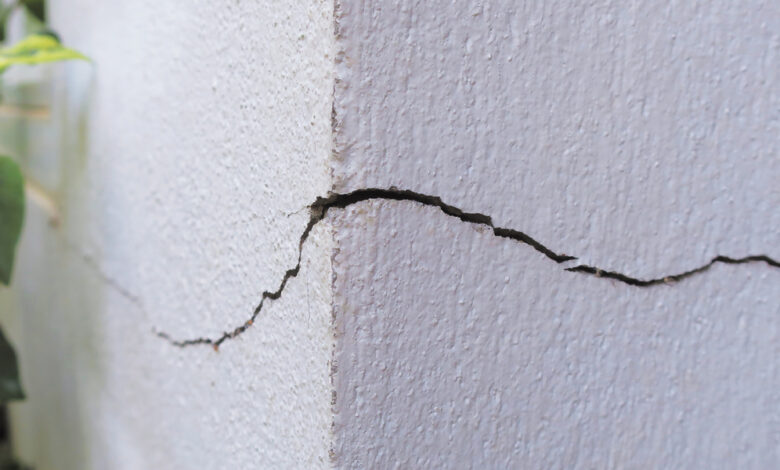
(673, 277)
(320, 207)
(341, 201)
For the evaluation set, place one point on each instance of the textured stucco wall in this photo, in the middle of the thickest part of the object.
(641, 137)
(187, 152)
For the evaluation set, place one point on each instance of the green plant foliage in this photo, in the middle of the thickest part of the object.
(37, 49)
(34, 49)
(37, 15)
(11, 214)
(36, 7)
(10, 385)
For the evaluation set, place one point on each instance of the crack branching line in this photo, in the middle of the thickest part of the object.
(320, 207)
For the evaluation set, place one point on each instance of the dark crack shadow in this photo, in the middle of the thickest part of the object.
(320, 207)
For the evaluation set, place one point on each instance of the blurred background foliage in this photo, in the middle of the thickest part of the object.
(39, 47)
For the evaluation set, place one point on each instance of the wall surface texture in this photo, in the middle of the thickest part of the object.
(188, 149)
(641, 137)
(638, 137)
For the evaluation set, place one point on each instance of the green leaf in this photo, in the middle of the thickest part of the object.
(10, 385)
(11, 214)
(37, 8)
(37, 49)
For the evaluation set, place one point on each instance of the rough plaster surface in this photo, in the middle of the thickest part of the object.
(641, 137)
(578, 122)
(461, 350)
(188, 150)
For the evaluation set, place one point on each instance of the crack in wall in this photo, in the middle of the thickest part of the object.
(320, 207)
(672, 278)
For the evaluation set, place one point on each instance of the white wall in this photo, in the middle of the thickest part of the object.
(188, 149)
(641, 137)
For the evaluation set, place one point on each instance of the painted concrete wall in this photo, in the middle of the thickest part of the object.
(641, 137)
(183, 158)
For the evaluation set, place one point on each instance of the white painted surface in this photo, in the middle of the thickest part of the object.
(641, 137)
(199, 128)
